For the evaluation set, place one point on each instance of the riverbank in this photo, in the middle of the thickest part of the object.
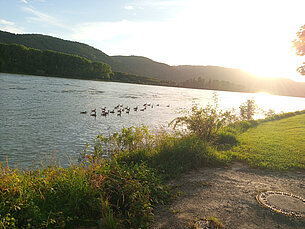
(130, 189)
(122, 77)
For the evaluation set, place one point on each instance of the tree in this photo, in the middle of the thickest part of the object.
(299, 45)
(247, 110)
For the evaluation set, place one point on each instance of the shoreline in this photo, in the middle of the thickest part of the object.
(171, 86)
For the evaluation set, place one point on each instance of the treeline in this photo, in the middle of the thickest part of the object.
(129, 78)
(44, 42)
(19, 59)
(22, 60)
(201, 83)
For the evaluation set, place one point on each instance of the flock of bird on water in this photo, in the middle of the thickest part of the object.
(120, 109)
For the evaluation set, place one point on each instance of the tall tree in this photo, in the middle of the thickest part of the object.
(299, 45)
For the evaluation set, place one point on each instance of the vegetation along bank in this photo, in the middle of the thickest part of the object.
(120, 182)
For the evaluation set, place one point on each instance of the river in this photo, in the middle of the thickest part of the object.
(40, 116)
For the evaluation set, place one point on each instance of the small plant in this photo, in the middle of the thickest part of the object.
(225, 140)
(269, 114)
(210, 222)
(247, 110)
(128, 139)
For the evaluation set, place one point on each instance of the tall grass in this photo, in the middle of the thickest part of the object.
(118, 191)
(114, 194)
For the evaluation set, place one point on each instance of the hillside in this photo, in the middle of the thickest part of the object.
(241, 80)
(185, 75)
(44, 42)
(134, 65)
(140, 65)
(19, 59)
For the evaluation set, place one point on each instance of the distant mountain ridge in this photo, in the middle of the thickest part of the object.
(142, 66)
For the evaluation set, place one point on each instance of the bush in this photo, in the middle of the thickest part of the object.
(225, 140)
(247, 110)
(178, 155)
(204, 122)
(173, 155)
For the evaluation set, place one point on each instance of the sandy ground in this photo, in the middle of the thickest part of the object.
(228, 194)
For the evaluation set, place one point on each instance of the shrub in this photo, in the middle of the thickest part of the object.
(225, 140)
(204, 122)
(178, 155)
(120, 194)
(247, 110)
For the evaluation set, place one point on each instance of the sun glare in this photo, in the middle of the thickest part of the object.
(233, 38)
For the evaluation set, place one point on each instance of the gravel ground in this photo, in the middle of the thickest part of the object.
(228, 194)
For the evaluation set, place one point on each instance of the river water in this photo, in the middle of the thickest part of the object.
(40, 116)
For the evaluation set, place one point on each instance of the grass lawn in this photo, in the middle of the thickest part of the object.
(276, 144)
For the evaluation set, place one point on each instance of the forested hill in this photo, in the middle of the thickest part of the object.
(44, 42)
(139, 68)
(20, 59)
(210, 77)
(135, 65)
(141, 65)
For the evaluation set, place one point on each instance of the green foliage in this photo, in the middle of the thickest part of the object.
(44, 42)
(299, 45)
(128, 139)
(247, 110)
(128, 190)
(20, 59)
(110, 193)
(205, 122)
(225, 140)
(179, 155)
(122, 179)
(169, 155)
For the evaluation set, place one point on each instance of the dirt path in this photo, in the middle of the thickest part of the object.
(228, 194)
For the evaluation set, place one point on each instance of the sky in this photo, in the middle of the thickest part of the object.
(252, 35)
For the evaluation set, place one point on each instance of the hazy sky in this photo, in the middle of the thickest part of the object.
(253, 35)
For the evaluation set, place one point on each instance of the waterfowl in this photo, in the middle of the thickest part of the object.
(83, 112)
